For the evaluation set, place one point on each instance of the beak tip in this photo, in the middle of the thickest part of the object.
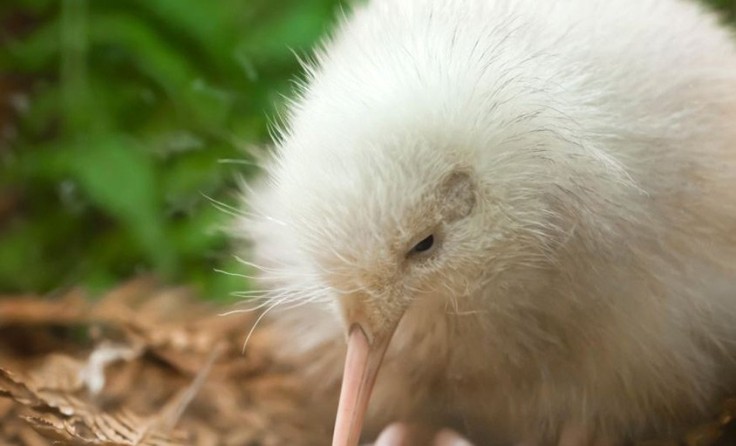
(362, 362)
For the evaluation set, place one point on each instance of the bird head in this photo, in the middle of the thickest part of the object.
(393, 190)
(384, 226)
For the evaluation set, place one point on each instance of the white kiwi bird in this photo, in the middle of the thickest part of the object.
(523, 213)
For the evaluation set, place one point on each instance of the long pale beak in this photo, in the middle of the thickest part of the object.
(361, 367)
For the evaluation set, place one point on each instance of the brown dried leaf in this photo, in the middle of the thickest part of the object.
(29, 437)
(79, 422)
(120, 429)
(170, 415)
(58, 372)
(34, 310)
(13, 387)
(50, 391)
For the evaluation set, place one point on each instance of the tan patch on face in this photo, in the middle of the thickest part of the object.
(458, 196)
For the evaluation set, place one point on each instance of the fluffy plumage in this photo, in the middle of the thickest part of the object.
(585, 267)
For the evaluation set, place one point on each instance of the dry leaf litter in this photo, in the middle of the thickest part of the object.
(153, 366)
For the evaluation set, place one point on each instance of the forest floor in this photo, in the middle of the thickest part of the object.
(143, 365)
(146, 365)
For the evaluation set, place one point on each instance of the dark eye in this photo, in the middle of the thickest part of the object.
(423, 246)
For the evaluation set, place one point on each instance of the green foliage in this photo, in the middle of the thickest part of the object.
(129, 109)
(132, 108)
(726, 7)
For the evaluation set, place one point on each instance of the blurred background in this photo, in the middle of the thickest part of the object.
(125, 125)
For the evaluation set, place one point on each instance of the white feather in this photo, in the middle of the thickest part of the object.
(593, 283)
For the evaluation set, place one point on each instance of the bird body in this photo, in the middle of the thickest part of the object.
(538, 199)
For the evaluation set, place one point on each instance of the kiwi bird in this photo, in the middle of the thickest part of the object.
(522, 213)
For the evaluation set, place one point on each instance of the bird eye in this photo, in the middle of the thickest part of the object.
(423, 246)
